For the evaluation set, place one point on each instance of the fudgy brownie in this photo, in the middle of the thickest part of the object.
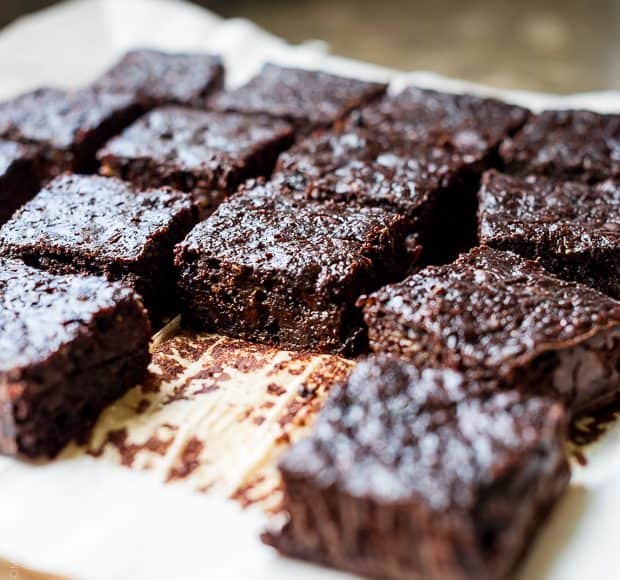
(575, 145)
(69, 345)
(308, 99)
(272, 268)
(158, 78)
(497, 315)
(20, 176)
(573, 229)
(406, 475)
(434, 184)
(470, 124)
(99, 225)
(67, 128)
(208, 154)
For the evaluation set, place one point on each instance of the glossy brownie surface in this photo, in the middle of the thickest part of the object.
(309, 99)
(572, 228)
(574, 145)
(423, 464)
(158, 78)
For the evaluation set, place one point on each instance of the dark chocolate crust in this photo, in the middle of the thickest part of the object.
(208, 154)
(408, 475)
(573, 229)
(20, 176)
(272, 268)
(308, 99)
(470, 124)
(69, 345)
(98, 225)
(498, 316)
(67, 128)
(574, 145)
(159, 78)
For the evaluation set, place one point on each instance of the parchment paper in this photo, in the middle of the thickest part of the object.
(147, 497)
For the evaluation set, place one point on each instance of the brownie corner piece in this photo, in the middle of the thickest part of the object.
(103, 226)
(497, 315)
(67, 127)
(158, 78)
(205, 153)
(309, 99)
(270, 267)
(70, 345)
(20, 176)
(571, 228)
(403, 476)
(576, 145)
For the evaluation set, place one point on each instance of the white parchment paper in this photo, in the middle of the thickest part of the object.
(86, 519)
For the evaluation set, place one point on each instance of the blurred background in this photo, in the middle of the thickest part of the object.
(549, 45)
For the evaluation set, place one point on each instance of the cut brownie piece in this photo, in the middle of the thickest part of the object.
(272, 268)
(470, 124)
(99, 225)
(158, 78)
(573, 229)
(308, 99)
(20, 176)
(69, 345)
(206, 153)
(406, 475)
(67, 128)
(575, 145)
(496, 315)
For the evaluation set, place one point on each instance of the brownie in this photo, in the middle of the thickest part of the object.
(69, 346)
(434, 184)
(573, 145)
(407, 475)
(158, 78)
(67, 127)
(20, 176)
(208, 154)
(497, 315)
(99, 225)
(270, 267)
(308, 99)
(573, 229)
(470, 124)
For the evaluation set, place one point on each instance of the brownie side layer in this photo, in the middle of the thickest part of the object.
(20, 177)
(207, 154)
(69, 345)
(67, 127)
(308, 99)
(575, 145)
(103, 226)
(409, 475)
(572, 229)
(272, 268)
(159, 78)
(496, 315)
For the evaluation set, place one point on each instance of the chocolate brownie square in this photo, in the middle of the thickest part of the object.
(208, 154)
(67, 128)
(20, 176)
(407, 475)
(435, 185)
(472, 125)
(69, 346)
(308, 99)
(572, 229)
(272, 268)
(574, 145)
(99, 225)
(497, 315)
(158, 78)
